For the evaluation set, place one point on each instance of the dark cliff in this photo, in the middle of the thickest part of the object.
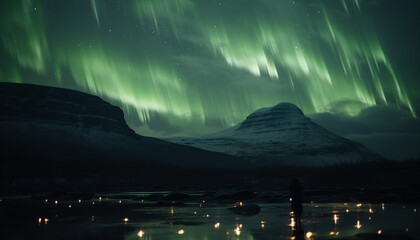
(47, 129)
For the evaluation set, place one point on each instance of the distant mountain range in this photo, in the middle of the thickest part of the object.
(282, 135)
(44, 126)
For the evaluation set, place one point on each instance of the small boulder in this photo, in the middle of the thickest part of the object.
(247, 210)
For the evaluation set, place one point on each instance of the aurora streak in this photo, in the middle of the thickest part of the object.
(198, 66)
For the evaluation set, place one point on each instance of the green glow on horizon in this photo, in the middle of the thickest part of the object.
(202, 65)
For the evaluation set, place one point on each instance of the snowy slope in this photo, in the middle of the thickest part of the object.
(282, 135)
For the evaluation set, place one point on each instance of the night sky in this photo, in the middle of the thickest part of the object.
(193, 67)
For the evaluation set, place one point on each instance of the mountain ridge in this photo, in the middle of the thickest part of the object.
(40, 123)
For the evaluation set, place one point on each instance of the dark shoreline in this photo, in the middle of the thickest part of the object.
(371, 182)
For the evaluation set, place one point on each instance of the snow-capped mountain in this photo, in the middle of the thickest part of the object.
(282, 135)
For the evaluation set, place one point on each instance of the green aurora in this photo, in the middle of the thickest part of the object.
(191, 67)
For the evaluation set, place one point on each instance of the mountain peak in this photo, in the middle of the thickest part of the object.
(283, 108)
(287, 107)
(273, 118)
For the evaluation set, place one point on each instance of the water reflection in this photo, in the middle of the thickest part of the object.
(358, 225)
(335, 219)
(237, 231)
(136, 220)
(292, 222)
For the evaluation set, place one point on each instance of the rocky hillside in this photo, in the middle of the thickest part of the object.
(39, 124)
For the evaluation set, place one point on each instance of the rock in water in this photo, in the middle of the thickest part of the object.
(248, 210)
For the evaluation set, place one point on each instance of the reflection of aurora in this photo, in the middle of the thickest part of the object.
(202, 65)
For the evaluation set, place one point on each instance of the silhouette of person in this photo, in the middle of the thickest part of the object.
(296, 200)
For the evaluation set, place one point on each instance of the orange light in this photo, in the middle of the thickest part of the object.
(237, 231)
(140, 233)
(292, 222)
(70, 206)
(309, 235)
(125, 219)
(379, 231)
(180, 232)
(358, 225)
(335, 218)
(217, 225)
(39, 220)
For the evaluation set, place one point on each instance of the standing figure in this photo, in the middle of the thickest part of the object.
(296, 199)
